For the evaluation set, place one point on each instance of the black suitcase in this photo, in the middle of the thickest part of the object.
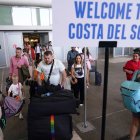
(98, 78)
(44, 128)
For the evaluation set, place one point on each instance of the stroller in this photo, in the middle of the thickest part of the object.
(130, 91)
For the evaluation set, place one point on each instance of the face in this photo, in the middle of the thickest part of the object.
(78, 59)
(18, 53)
(73, 48)
(15, 79)
(48, 59)
(136, 57)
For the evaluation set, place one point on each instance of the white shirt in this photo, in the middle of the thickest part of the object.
(16, 89)
(55, 77)
(78, 70)
(37, 49)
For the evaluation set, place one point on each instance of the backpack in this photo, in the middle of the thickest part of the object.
(130, 91)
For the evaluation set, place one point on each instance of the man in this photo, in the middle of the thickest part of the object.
(58, 74)
(16, 62)
(70, 57)
(38, 51)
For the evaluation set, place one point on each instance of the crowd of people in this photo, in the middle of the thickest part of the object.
(36, 64)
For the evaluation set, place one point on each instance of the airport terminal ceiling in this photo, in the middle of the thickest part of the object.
(35, 3)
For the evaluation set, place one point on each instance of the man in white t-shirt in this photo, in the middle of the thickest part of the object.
(58, 74)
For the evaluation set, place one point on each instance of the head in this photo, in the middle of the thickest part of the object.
(25, 51)
(87, 51)
(136, 56)
(48, 57)
(73, 48)
(18, 52)
(28, 46)
(78, 59)
(43, 48)
(14, 79)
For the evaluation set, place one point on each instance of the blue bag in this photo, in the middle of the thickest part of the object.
(130, 91)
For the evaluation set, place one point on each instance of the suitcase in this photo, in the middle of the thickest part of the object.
(98, 78)
(40, 110)
(58, 127)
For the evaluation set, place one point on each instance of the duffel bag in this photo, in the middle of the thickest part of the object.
(59, 102)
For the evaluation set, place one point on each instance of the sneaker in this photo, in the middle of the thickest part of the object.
(81, 104)
(20, 116)
(17, 115)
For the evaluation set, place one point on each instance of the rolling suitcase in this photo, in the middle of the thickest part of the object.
(98, 77)
(41, 126)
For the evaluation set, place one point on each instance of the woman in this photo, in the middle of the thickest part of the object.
(130, 67)
(77, 73)
(89, 59)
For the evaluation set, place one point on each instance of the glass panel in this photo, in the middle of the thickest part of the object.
(50, 16)
(118, 52)
(33, 16)
(6, 15)
(21, 16)
(126, 51)
(44, 17)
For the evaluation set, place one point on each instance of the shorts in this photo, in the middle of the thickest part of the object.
(137, 115)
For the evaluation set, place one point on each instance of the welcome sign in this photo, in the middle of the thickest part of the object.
(86, 22)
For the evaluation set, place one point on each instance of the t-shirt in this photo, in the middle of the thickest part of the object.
(78, 70)
(133, 66)
(55, 77)
(88, 59)
(15, 89)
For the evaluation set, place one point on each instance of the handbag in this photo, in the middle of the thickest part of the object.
(46, 84)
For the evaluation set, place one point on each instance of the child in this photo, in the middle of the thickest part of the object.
(17, 91)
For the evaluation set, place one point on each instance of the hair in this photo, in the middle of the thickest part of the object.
(87, 51)
(14, 77)
(80, 57)
(24, 50)
(48, 53)
(136, 52)
(18, 48)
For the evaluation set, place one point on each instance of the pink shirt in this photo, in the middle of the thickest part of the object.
(14, 62)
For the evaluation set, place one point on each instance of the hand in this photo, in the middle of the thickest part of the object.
(18, 66)
(130, 72)
(10, 77)
(75, 80)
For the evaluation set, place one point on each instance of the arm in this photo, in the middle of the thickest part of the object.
(39, 70)
(68, 56)
(38, 79)
(11, 68)
(73, 75)
(128, 71)
(9, 91)
(63, 78)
